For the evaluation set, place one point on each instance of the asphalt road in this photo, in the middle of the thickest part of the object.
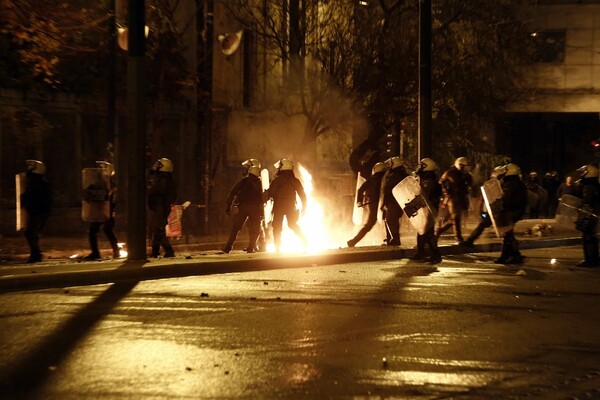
(463, 329)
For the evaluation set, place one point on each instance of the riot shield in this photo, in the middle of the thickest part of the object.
(268, 207)
(173, 227)
(408, 194)
(568, 210)
(358, 212)
(21, 212)
(492, 195)
(95, 206)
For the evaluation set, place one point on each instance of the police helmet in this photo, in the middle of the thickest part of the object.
(461, 163)
(251, 162)
(379, 167)
(427, 164)
(284, 165)
(499, 172)
(512, 170)
(36, 167)
(589, 171)
(254, 170)
(107, 167)
(164, 164)
(393, 162)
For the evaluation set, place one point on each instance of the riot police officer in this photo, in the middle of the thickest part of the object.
(391, 209)
(283, 191)
(456, 184)
(587, 221)
(162, 193)
(246, 196)
(368, 196)
(514, 204)
(432, 190)
(37, 201)
(109, 224)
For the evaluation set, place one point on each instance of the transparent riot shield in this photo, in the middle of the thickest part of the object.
(492, 195)
(21, 212)
(358, 212)
(95, 206)
(408, 194)
(568, 210)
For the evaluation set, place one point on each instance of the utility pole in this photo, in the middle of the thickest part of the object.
(425, 134)
(136, 129)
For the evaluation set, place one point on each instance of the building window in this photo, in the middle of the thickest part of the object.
(549, 46)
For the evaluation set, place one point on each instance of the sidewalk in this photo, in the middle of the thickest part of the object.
(203, 258)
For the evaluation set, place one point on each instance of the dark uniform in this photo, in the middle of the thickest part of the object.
(246, 195)
(37, 201)
(587, 223)
(432, 190)
(162, 193)
(514, 200)
(456, 185)
(283, 191)
(392, 212)
(368, 196)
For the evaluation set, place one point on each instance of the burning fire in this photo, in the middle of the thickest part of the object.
(122, 253)
(312, 223)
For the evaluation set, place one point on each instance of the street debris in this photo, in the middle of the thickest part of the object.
(539, 230)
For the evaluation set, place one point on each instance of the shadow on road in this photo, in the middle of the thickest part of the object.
(28, 376)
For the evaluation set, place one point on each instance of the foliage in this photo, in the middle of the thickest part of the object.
(65, 47)
(365, 57)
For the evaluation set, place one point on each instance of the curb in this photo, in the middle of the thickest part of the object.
(114, 272)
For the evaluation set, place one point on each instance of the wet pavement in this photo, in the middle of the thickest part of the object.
(387, 329)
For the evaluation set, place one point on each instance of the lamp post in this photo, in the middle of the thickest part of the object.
(136, 132)
(425, 134)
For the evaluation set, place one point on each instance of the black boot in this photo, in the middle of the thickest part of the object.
(169, 253)
(155, 251)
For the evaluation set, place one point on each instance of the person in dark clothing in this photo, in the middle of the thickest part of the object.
(550, 183)
(368, 196)
(539, 199)
(392, 212)
(588, 216)
(567, 187)
(162, 193)
(283, 191)
(37, 202)
(108, 225)
(514, 204)
(432, 190)
(246, 195)
(456, 185)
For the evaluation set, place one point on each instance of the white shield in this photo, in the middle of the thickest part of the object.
(95, 206)
(268, 207)
(416, 207)
(21, 212)
(492, 195)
